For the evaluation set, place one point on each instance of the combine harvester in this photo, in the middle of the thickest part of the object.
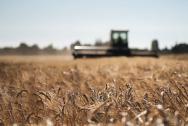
(118, 47)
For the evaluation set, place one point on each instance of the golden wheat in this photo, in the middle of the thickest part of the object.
(114, 91)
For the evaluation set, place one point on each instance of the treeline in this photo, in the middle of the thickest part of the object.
(24, 49)
(176, 49)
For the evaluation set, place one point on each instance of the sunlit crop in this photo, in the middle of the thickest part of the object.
(113, 91)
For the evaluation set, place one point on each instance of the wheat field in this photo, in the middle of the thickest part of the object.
(57, 90)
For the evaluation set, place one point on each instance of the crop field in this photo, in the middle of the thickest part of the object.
(119, 91)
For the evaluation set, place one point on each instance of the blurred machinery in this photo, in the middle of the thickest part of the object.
(118, 47)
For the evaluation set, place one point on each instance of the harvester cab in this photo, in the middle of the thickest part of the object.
(119, 39)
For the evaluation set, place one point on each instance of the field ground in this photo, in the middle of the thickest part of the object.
(57, 90)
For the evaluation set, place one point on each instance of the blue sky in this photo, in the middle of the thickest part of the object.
(61, 22)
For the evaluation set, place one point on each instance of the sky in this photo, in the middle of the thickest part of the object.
(61, 22)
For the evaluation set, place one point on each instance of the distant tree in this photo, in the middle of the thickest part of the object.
(98, 42)
(75, 44)
(165, 50)
(180, 48)
(23, 46)
(49, 49)
(35, 47)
